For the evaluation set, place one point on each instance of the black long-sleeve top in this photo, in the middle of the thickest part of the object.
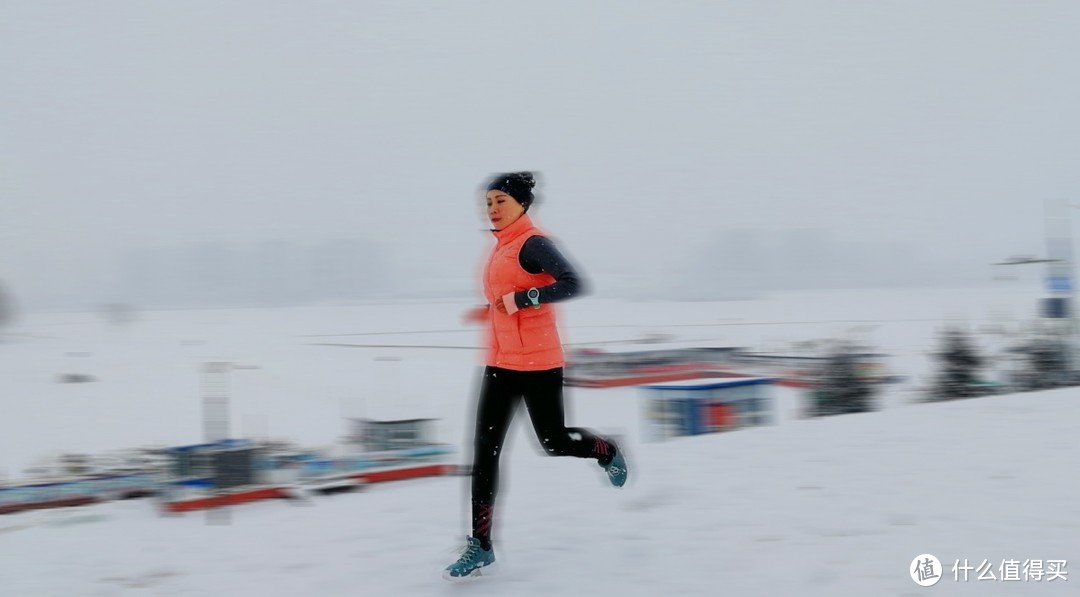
(540, 255)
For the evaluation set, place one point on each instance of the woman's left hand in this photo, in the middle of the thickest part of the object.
(499, 306)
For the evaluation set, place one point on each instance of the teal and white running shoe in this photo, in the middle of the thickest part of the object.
(472, 559)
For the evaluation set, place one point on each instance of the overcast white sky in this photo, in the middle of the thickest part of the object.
(656, 125)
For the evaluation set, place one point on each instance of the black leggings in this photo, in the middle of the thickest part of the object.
(499, 395)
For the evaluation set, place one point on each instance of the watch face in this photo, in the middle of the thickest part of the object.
(534, 293)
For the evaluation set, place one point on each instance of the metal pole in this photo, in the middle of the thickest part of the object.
(215, 395)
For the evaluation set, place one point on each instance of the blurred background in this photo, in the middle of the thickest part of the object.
(261, 221)
(245, 153)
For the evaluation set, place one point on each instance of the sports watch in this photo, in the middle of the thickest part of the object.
(534, 297)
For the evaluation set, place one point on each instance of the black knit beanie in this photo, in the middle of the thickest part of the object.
(518, 185)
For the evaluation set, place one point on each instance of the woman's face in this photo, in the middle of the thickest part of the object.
(502, 209)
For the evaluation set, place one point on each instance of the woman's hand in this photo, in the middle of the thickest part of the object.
(500, 306)
(476, 315)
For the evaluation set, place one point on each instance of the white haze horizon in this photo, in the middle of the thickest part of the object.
(883, 144)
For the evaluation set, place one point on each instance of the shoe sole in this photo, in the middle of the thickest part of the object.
(620, 441)
(612, 482)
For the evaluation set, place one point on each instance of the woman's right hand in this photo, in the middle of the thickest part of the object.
(477, 314)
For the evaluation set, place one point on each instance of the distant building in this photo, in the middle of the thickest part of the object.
(697, 406)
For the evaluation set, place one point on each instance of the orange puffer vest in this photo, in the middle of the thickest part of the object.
(526, 340)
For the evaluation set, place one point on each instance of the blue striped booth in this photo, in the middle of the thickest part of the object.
(710, 405)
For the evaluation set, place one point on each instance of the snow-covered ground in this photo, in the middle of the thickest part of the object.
(837, 506)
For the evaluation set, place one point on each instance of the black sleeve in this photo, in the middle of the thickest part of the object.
(540, 255)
